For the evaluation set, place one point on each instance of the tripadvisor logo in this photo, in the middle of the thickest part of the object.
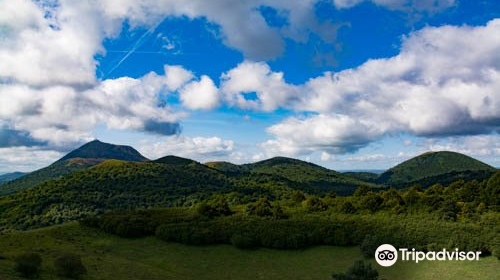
(387, 255)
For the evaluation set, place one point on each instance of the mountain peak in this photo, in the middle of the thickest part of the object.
(432, 164)
(174, 160)
(100, 150)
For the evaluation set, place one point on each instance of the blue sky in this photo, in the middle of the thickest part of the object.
(347, 84)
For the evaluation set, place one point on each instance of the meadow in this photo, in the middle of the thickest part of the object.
(110, 257)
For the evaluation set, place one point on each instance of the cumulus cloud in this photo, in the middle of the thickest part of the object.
(62, 116)
(26, 159)
(334, 134)
(405, 5)
(49, 44)
(202, 94)
(177, 76)
(198, 148)
(248, 78)
(476, 145)
(13, 138)
(442, 83)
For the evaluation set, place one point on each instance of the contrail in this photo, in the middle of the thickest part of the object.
(137, 44)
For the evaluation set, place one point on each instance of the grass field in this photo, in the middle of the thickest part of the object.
(109, 257)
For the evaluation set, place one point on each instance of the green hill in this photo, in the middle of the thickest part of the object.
(306, 176)
(84, 157)
(363, 176)
(174, 160)
(225, 167)
(170, 181)
(10, 176)
(429, 166)
(56, 170)
(110, 185)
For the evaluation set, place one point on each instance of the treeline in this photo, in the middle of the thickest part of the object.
(462, 215)
(423, 232)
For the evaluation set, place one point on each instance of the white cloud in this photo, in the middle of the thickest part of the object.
(63, 116)
(329, 133)
(45, 50)
(256, 78)
(202, 94)
(405, 5)
(325, 156)
(476, 145)
(198, 148)
(26, 159)
(177, 76)
(442, 83)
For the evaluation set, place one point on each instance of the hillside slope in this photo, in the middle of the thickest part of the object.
(84, 157)
(98, 149)
(433, 165)
(110, 185)
(307, 176)
(10, 177)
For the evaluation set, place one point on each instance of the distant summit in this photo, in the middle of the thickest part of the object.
(10, 177)
(432, 164)
(86, 156)
(174, 160)
(100, 150)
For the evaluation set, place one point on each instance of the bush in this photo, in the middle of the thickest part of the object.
(496, 251)
(28, 264)
(214, 208)
(314, 204)
(359, 271)
(69, 265)
(347, 208)
(244, 240)
(261, 208)
(369, 246)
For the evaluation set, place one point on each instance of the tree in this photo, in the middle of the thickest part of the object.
(214, 208)
(69, 265)
(347, 208)
(361, 190)
(369, 245)
(298, 196)
(314, 204)
(372, 202)
(264, 208)
(28, 264)
(359, 271)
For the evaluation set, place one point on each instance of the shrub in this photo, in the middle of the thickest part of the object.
(347, 208)
(69, 265)
(214, 208)
(359, 271)
(298, 196)
(369, 245)
(261, 208)
(372, 202)
(244, 240)
(496, 251)
(28, 264)
(314, 204)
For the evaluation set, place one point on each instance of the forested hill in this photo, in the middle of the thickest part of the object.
(435, 165)
(88, 155)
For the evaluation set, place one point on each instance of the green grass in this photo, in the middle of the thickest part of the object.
(109, 257)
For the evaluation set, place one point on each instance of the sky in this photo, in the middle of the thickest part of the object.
(346, 84)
